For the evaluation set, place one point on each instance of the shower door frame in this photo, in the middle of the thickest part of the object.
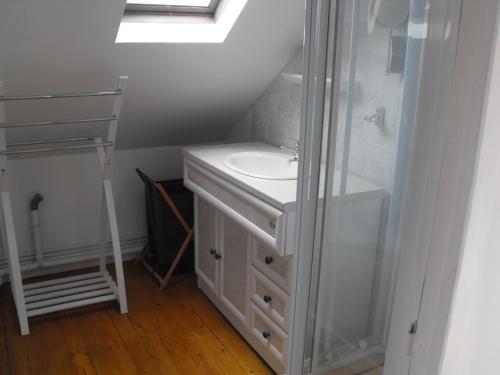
(448, 184)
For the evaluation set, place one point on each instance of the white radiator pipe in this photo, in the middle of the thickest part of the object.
(35, 223)
(37, 242)
(37, 238)
(53, 263)
(62, 259)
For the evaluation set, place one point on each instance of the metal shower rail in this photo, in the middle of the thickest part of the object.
(57, 140)
(74, 291)
(7, 125)
(62, 96)
(48, 149)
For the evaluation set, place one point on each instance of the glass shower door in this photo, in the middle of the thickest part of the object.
(372, 82)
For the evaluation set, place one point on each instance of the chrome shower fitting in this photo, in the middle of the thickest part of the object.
(294, 150)
(378, 118)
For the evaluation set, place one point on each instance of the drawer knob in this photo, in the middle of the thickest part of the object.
(268, 260)
(213, 252)
(267, 299)
(217, 256)
(272, 224)
(266, 334)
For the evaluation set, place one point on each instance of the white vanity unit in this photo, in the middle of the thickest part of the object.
(244, 229)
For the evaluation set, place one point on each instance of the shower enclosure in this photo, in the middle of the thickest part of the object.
(362, 105)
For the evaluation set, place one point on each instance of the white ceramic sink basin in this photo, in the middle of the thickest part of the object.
(266, 165)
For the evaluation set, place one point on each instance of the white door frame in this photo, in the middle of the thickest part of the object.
(440, 177)
(464, 112)
(314, 77)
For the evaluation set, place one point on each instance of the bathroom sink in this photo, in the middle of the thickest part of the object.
(266, 165)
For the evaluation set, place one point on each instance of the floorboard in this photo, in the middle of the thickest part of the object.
(134, 344)
(4, 354)
(47, 348)
(17, 346)
(78, 351)
(218, 325)
(177, 332)
(106, 348)
(169, 312)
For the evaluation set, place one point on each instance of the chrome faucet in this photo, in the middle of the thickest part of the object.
(294, 150)
(378, 118)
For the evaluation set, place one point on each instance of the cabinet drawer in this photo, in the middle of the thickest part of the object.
(268, 334)
(277, 268)
(261, 219)
(270, 298)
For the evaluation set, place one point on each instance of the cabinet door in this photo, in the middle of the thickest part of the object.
(235, 249)
(206, 253)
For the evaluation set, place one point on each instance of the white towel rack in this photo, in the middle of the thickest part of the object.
(64, 293)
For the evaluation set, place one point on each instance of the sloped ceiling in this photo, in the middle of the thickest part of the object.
(177, 93)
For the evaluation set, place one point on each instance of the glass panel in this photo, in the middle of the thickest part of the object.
(368, 121)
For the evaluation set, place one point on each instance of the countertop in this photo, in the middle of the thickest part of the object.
(278, 193)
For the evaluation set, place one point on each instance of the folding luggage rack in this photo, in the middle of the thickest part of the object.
(170, 232)
(64, 293)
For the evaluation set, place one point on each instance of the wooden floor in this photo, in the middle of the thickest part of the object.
(175, 332)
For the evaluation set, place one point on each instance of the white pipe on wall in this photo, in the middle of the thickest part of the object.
(37, 238)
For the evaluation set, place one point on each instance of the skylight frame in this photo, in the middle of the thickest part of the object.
(172, 10)
(165, 28)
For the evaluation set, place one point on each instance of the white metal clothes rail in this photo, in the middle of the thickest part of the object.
(69, 292)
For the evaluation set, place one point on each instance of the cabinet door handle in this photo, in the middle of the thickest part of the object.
(213, 252)
(268, 260)
(217, 256)
(266, 334)
(267, 298)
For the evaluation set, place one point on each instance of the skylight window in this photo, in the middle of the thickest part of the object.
(178, 21)
(172, 7)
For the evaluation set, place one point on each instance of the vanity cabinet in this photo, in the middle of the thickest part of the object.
(245, 279)
(244, 229)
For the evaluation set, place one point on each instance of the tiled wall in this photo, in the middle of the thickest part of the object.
(372, 150)
(275, 116)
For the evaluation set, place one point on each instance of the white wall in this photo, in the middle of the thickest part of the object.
(177, 93)
(70, 187)
(472, 345)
